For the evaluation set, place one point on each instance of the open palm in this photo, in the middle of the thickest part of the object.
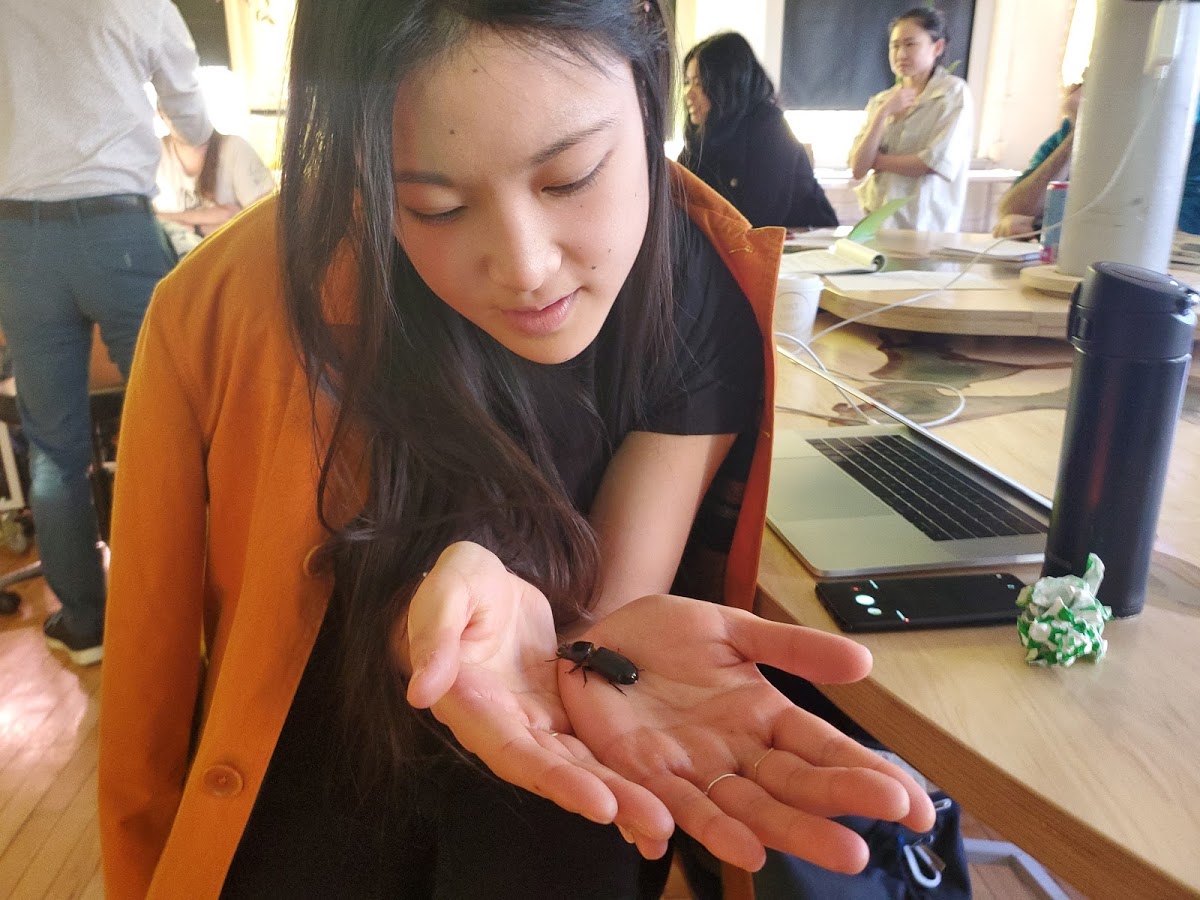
(700, 709)
(481, 643)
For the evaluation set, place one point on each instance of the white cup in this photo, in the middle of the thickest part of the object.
(796, 300)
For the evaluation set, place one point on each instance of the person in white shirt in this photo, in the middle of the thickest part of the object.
(916, 141)
(79, 245)
(202, 187)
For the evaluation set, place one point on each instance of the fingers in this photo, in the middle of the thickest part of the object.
(649, 849)
(446, 602)
(438, 614)
(787, 802)
(558, 767)
(820, 657)
(514, 754)
(737, 820)
(795, 831)
(819, 744)
(724, 836)
(833, 791)
(642, 817)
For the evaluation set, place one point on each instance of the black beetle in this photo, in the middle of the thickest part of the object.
(608, 663)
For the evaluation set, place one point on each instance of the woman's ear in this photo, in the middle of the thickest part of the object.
(939, 47)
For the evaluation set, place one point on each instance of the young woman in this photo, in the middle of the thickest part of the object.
(202, 187)
(917, 138)
(738, 142)
(459, 396)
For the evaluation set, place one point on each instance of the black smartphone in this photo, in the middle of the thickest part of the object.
(936, 601)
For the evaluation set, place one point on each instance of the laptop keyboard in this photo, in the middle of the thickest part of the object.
(938, 499)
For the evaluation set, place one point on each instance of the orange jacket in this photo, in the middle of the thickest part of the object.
(214, 598)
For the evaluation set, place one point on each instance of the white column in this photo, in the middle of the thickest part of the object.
(1135, 221)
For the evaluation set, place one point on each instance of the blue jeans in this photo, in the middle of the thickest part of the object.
(59, 277)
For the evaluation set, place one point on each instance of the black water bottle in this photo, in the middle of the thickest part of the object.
(1132, 330)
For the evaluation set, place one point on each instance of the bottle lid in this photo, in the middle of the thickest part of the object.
(1128, 312)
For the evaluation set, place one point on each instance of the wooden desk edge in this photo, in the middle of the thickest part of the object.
(1025, 817)
(1012, 322)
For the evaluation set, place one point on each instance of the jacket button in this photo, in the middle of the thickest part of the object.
(223, 781)
(315, 563)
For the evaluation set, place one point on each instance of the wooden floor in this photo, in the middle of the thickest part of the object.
(49, 844)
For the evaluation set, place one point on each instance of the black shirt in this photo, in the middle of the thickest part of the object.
(757, 164)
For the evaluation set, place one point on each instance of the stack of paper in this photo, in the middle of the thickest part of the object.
(814, 238)
(1185, 250)
(968, 246)
(907, 280)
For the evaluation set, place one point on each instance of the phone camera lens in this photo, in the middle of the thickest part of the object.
(864, 599)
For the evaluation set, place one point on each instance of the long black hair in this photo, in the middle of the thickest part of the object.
(439, 415)
(735, 83)
(206, 181)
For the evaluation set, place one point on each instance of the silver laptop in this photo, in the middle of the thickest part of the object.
(872, 499)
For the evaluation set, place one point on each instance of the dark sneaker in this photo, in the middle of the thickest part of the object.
(83, 650)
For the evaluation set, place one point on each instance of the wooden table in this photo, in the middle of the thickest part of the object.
(1092, 769)
(1018, 310)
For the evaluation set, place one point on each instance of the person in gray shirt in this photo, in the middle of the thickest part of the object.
(79, 245)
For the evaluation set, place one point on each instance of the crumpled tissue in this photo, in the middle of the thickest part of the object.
(1061, 620)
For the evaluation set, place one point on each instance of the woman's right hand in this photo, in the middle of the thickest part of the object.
(899, 100)
(480, 644)
(1013, 224)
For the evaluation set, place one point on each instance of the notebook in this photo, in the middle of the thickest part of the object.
(838, 251)
(844, 257)
(873, 499)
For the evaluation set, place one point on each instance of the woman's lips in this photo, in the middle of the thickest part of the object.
(548, 319)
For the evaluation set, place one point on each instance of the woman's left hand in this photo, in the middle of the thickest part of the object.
(480, 644)
(701, 712)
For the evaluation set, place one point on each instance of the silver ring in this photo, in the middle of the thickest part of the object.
(754, 774)
(718, 778)
(552, 733)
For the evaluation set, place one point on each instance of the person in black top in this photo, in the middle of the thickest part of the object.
(737, 140)
(321, 828)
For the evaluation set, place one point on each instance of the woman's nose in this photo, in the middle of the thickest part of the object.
(522, 251)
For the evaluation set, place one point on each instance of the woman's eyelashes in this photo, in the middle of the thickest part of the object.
(434, 218)
(569, 189)
(581, 184)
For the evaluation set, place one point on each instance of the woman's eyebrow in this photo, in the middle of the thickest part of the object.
(416, 177)
(577, 137)
(543, 156)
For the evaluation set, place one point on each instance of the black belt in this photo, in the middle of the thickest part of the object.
(83, 208)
